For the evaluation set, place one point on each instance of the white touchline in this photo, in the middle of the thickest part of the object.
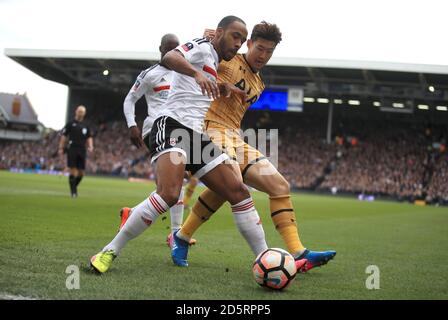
(6, 296)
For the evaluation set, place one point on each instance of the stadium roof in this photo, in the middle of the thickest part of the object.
(117, 70)
(21, 54)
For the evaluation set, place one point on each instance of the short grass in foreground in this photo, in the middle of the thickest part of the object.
(43, 230)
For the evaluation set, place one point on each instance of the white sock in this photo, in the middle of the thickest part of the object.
(249, 224)
(143, 215)
(177, 213)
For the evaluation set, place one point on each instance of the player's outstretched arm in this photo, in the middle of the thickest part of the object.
(175, 61)
(227, 89)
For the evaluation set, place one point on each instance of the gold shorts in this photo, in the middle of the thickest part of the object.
(230, 141)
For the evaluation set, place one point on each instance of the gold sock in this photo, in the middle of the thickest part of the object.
(284, 219)
(208, 203)
(189, 190)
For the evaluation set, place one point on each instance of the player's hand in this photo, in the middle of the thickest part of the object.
(209, 34)
(227, 89)
(136, 136)
(208, 86)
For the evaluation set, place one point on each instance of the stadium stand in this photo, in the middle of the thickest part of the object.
(113, 154)
(398, 161)
(365, 127)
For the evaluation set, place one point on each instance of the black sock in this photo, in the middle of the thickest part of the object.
(78, 180)
(72, 182)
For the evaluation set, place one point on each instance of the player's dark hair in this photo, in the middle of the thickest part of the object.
(167, 37)
(226, 21)
(266, 31)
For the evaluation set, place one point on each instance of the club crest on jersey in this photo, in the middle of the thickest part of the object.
(84, 131)
(173, 142)
(163, 94)
(188, 46)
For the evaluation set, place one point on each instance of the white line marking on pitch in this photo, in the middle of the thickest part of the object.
(5, 296)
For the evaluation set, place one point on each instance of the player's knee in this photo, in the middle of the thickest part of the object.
(238, 193)
(283, 186)
(280, 186)
(170, 196)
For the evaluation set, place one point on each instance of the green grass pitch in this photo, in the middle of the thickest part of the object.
(43, 230)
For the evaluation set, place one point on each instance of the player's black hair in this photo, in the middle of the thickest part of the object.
(266, 31)
(226, 21)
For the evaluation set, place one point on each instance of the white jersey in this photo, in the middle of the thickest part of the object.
(185, 102)
(154, 83)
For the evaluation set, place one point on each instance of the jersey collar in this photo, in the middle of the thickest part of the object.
(253, 71)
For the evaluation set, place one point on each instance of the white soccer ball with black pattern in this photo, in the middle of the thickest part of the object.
(274, 268)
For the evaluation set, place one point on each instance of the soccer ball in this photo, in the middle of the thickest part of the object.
(274, 268)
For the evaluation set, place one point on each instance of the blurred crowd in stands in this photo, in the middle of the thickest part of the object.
(383, 162)
(403, 161)
(113, 154)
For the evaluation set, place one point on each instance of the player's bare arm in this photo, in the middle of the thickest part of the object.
(62, 144)
(136, 137)
(226, 89)
(90, 144)
(175, 61)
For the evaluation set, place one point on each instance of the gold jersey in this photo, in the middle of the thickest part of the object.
(230, 111)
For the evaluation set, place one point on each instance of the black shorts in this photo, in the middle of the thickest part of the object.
(169, 135)
(76, 158)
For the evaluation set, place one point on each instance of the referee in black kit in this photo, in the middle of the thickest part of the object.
(75, 136)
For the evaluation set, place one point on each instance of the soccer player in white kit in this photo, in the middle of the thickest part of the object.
(153, 83)
(176, 141)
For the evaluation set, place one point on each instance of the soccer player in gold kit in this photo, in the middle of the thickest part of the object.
(222, 124)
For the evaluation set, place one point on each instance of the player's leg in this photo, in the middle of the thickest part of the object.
(263, 176)
(79, 177)
(189, 190)
(225, 180)
(73, 173)
(81, 165)
(169, 183)
(177, 218)
(177, 212)
(71, 164)
(207, 204)
(169, 179)
(125, 212)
